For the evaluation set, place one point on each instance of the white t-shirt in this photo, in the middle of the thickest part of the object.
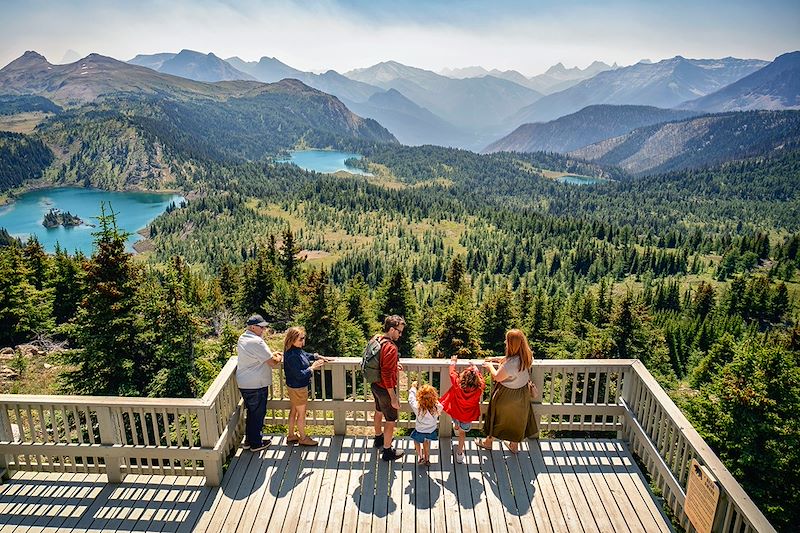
(517, 377)
(427, 421)
(252, 370)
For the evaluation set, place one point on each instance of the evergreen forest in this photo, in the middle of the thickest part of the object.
(694, 272)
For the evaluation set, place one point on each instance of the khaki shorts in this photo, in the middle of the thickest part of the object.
(298, 396)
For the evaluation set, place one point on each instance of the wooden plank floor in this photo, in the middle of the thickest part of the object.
(554, 486)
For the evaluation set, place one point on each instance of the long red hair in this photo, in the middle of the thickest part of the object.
(517, 346)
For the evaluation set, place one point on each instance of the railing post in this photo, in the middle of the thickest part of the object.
(209, 435)
(627, 380)
(339, 392)
(6, 435)
(445, 422)
(110, 435)
(537, 377)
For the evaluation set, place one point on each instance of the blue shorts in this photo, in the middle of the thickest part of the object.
(466, 426)
(422, 437)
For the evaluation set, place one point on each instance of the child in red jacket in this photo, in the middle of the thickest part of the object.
(463, 401)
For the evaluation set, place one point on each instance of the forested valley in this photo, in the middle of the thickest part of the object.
(693, 272)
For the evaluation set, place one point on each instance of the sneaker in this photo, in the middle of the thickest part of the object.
(391, 454)
(264, 444)
(378, 441)
(245, 445)
(307, 441)
(459, 457)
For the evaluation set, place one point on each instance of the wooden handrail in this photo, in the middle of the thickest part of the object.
(191, 436)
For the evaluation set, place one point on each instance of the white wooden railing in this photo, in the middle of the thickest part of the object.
(119, 436)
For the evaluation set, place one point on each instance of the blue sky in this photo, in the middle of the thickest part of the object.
(528, 36)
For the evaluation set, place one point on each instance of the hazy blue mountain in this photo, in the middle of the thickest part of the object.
(474, 104)
(410, 123)
(664, 84)
(267, 69)
(270, 69)
(465, 72)
(70, 56)
(589, 125)
(558, 77)
(776, 86)
(698, 142)
(201, 67)
(153, 61)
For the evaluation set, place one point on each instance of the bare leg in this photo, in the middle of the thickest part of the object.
(301, 420)
(461, 437)
(417, 449)
(427, 450)
(292, 417)
(377, 419)
(388, 433)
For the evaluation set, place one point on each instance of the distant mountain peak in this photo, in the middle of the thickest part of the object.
(557, 68)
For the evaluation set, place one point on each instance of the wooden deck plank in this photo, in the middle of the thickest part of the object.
(341, 482)
(184, 509)
(641, 484)
(321, 504)
(366, 487)
(261, 503)
(558, 520)
(51, 504)
(645, 509)
(343, 486)
(576, 491)
(467, 491)
(614, 486)
(217, 494)
(534, 489)
(75, 501)
(283, 487)
(353, 495)
(304, 491)
(474, 459)
(573, 466)
(449, 489)
(382, 492)
(26, 513)
(436, 487)
(396, 495)
(587, 459)
(518, 486)
(498, 497)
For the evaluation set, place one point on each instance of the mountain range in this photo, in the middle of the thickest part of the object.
(556, 78)
(697, 142)
(192, 65)
(665, 84)
(589, 125)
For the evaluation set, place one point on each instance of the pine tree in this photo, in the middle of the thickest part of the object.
(288, 259)
(498, 315)
(357, 303)
(396, 297)
(108, 354)
(24, 310)
(67, 284)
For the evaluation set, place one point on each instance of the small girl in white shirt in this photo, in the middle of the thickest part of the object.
(425, 404)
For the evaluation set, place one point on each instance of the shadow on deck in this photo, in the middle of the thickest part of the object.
(342, 485)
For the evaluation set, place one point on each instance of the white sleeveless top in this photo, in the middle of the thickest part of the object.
(517, 377)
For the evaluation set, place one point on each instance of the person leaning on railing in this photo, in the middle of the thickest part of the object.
(254, 378)
(510, 416)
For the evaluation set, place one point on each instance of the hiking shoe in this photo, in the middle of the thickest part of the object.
(391, 454)
(264, 444)
(307, 441)
(377, 441)
(459, 457)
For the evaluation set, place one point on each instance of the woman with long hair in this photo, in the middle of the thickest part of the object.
(510, 416)
(298, 368)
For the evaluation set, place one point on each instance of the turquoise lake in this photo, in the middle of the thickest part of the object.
(324, 161)
(135, 210)
(578, 180)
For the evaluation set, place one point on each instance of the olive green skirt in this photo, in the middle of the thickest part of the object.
(510, 416)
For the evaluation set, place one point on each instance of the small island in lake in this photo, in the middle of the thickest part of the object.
(55, 218)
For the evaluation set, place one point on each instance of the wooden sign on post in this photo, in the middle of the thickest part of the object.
(702, 497)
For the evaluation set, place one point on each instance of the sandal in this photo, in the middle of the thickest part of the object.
(508, 446)
(293, 438)
(481, 444)
(307, 441)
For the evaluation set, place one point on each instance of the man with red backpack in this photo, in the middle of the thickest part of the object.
(384, 385)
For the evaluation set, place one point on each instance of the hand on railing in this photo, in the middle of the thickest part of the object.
(316, 365)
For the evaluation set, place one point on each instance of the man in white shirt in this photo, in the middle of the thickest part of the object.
(254, 377)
